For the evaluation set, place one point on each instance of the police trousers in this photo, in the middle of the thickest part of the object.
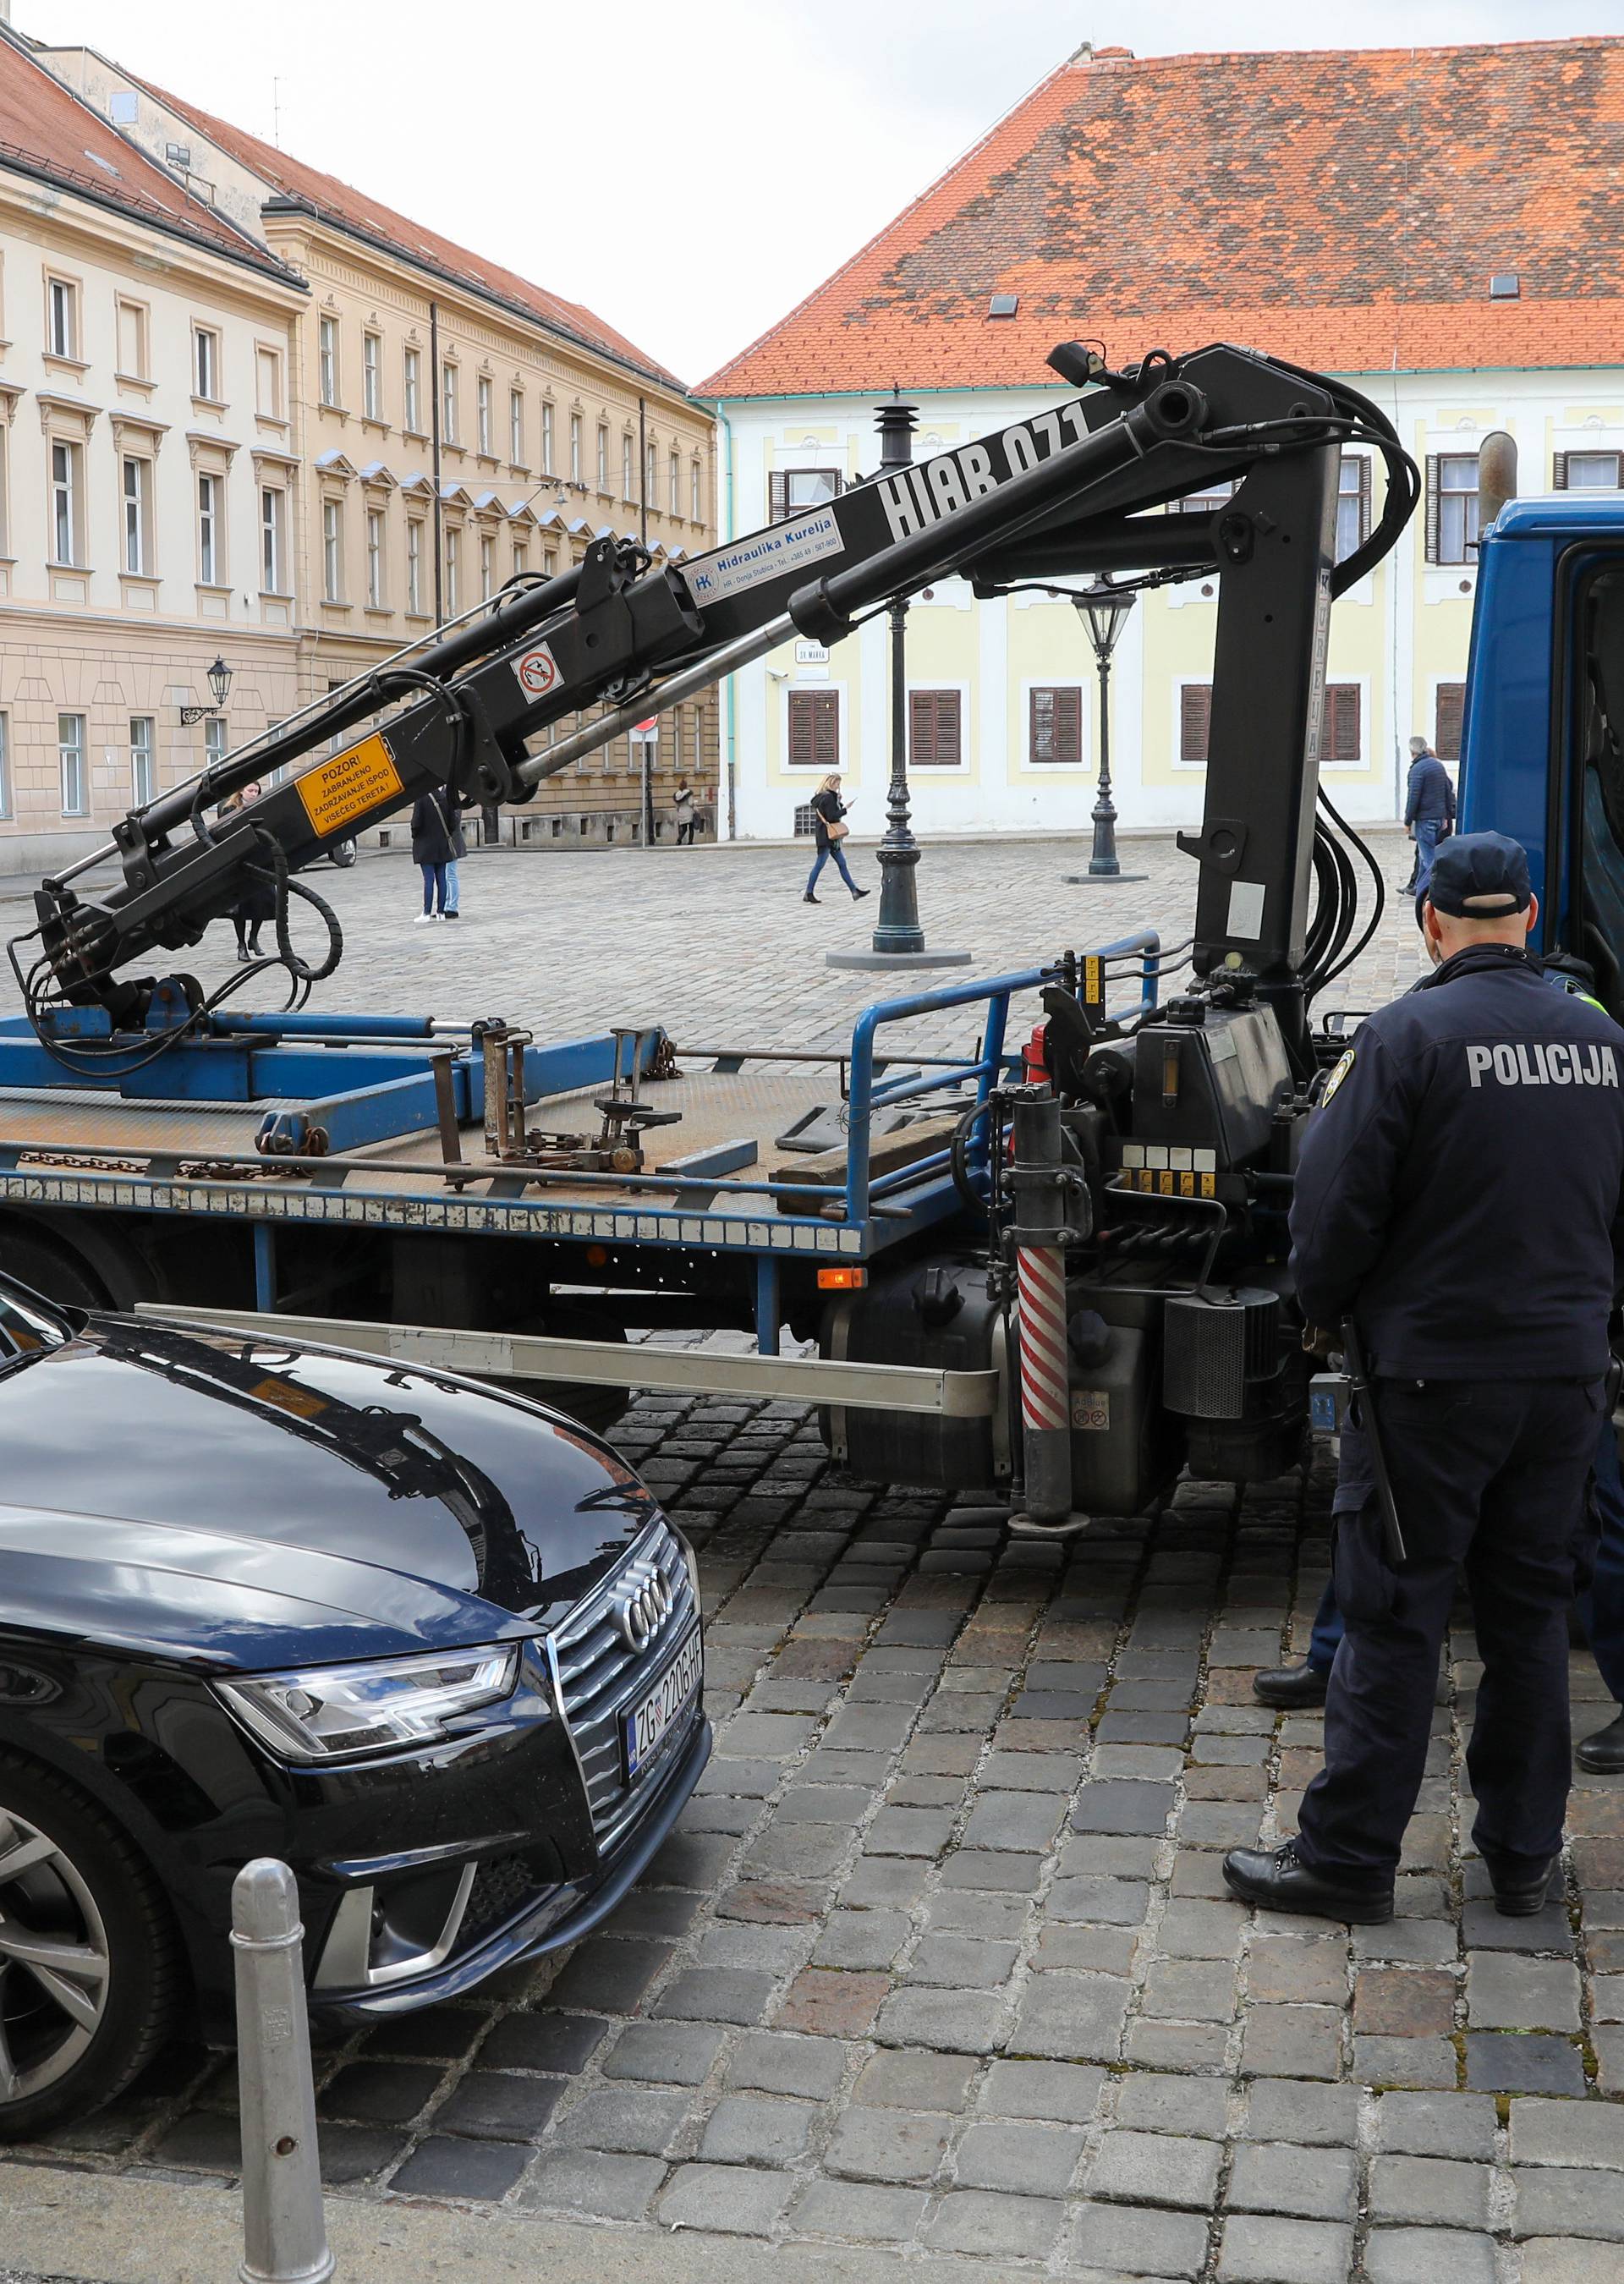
(1489, 1479)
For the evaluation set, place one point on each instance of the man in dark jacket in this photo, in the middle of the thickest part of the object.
(1429, 810)
(1460, 1194)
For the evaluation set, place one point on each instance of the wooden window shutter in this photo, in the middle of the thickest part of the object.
(1195, 714)
(826, 722)
(1432, 507)
(1558, 471)
(1366, 463)
(1451, 708)
(922, 725)
(1341, 741)
(948, 745)
(1054, 723)
(776, 490)
(802, 753)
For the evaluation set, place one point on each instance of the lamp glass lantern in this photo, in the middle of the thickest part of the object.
(1104, 610)
(220, 681)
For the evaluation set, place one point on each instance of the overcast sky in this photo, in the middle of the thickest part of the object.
(689, 173)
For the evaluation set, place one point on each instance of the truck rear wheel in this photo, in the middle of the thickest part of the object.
(51, 1269)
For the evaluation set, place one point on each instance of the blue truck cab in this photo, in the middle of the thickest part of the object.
(1542, 737)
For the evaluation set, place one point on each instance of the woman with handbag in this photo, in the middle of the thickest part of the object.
(828, 816)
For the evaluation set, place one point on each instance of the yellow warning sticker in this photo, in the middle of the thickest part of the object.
(1093, 987)
(348, 786)
(303, 1403)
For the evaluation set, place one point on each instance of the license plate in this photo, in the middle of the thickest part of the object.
(646, 1722)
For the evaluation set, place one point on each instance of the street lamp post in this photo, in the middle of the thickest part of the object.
(1103, 609)
(898, 940)
(220, 686)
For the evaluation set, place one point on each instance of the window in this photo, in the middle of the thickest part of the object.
(210, 555)
(791, 490)
(132, 340)
(549, 562)
(602, 457)
(213, 739)
(1341, 735)
(1586, 471)
(1451, 505)
(696, 492)
(62, 328)
(327, 359)
(137, 526)
(933, 740)
(206, 363)
(629, 490)
(674, 484)
(575, 448)
(414, 564)
(70, 754)
(448, 404)
(547, 436)
(1054, 718)
(1353, 503)
(454, 563)
(516, 427)
(1195, 714)
(488, 567)
(333, 551)
(412, 410)
(272, 550)
(521, 557)
(1209, 502)
(1449, 705)
(814, 730)
(375, 557)
(483, 414)
(650, 482)
(65, 464)
(142, 760)
(268, 384)
(371, 375)
(5, 764)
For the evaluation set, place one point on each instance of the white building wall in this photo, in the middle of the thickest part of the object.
(1396, 636)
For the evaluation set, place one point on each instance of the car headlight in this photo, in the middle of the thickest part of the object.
(339, 1712)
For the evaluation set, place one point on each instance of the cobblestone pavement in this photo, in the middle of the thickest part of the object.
(940, 1958)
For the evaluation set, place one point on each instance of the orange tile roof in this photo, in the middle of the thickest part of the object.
(48, 134)
(1342, 209)
(352, 210)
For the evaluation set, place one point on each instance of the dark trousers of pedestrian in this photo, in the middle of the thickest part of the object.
(686, 830)
(1490, 1481)
(433, 888)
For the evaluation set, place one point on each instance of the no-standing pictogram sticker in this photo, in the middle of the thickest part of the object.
(537, 670)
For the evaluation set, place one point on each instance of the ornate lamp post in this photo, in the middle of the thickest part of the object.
(220, 686)
(1103, 609)
(899, 939)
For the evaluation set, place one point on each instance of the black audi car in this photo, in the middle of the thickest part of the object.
(433, 1646)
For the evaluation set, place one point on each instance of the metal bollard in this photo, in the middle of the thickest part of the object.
(285, 2231)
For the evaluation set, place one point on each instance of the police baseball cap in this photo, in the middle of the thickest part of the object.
(1480, 876)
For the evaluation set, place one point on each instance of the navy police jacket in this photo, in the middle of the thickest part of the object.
(1461, 1186)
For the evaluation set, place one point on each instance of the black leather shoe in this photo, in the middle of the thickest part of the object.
(1603, 1753)
(1297, 1688)
(808, 898)
(1519, 1897)
(858, 894)
(1276, 1881)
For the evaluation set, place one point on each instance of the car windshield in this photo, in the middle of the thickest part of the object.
(27, 1326)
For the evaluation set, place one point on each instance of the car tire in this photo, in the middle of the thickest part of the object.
(71, 2041)
(52, 1271)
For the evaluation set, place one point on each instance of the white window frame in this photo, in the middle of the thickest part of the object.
(603, 457)
(484, 426)
(67, 489)
(211, 554)
(327, 360)
(333, 551)
(268, 369)
(371, 375)
(488, 567)
(547, 435)
(132, 315)
(206, 363)
(73, 767)
(1471, 503)
(454, 567)
(273, 539)
(651, 474)
(516, 427)
(215, 746)
(696, 490)
(576, 446)
(136, 506)
(628, 463)
(62, 320)
(143, 758)
(521, 557)
(5, 764)
(447, 400)
(375, 545)
(674, 482)
(414, 565)
(411, 386)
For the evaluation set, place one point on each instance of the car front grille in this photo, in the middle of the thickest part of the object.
(602, 1677)
(502, 1885)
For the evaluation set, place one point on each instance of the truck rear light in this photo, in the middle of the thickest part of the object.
(842, 1280)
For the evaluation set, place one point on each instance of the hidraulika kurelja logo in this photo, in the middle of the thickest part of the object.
(1337, 1076)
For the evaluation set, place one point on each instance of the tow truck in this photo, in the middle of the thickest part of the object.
(1055, 1274)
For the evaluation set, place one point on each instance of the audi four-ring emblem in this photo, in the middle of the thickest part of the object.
(642, 1606)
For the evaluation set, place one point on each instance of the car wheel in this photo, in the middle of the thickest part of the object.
(89, 1964)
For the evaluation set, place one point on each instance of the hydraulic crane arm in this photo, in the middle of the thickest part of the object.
(1063, 492)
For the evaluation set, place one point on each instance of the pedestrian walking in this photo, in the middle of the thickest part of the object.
(828, 825)
(687, 813)
(1460, 1195)
(451, 808)
(258, 901)
(434, 835)
(1429, 812)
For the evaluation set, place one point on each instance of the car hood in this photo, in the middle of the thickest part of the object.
(227, 1499)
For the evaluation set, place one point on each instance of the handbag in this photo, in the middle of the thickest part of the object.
(836, 830)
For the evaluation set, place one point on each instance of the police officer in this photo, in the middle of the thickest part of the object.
(1461, 1195)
